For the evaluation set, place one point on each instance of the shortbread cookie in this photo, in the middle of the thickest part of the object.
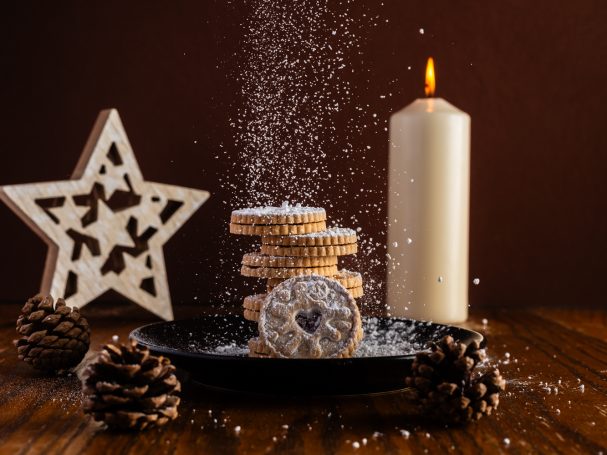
(328, 237)
(286, 272)
(310, 251)
(346, 278)
(356, 292)
(286, 214)
(263, 260)
(277, 229)
(253, 302)
(257, 348)
(251, 315)
(310, 317)
(256, 354)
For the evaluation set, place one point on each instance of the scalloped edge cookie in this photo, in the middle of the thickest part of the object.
(277, 229)
(346, 278)
(310, 251)
(327, 237)
(285, 315)
(286, 214)
(277, 272)
(258, 259)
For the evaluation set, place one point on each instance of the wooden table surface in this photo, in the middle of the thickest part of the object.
(554, 360)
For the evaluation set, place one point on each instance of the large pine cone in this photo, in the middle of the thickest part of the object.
(128, 388)
(53, 337)
(443, 385)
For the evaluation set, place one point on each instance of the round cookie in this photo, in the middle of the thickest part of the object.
(262, 260)
(251, 315)
(346, 278)
(327, 237)
(277, 229)
(356, 292)
(286, 272)
(254, 302)
(257, 348)
(285, 214)
(313, 251)
(310, 317)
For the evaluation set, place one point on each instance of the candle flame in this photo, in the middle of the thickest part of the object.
(430, 87)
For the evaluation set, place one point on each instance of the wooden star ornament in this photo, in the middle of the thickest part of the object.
(106, 227)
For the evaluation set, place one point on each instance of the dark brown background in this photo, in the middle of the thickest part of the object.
(531, 74)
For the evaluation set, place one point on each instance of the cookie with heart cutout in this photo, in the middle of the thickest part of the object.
(310, 317)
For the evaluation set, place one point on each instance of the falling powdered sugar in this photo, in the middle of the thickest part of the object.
(301, 126)
(293, 76)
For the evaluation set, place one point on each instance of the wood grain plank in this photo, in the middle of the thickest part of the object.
(545, 356)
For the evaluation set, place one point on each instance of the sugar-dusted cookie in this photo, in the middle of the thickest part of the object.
(310, 317)
(277, 229)
(257, 348)
(263, 260)
(287, 272)
(327, 237)
(253, 302)
(285, 214)
(311, 251)
(346, 278)
(357, 292)
(251, 315)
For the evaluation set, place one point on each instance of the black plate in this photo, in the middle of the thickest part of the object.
(192, 345)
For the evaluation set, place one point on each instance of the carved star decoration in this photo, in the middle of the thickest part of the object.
(106, 227)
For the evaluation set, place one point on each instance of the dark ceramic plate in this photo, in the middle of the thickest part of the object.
(196, 346)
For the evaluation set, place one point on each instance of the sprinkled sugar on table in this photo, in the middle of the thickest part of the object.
(554, 360)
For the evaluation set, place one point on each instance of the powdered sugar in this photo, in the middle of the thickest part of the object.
(231, 349)
(382, 338)
(301, 126)
(329, 232)
(285, 209)
(398, 338)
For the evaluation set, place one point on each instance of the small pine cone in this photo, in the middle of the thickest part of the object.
(128, 388)
(442, 386)
(54, 337)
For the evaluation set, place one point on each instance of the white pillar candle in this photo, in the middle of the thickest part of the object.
(428, 211)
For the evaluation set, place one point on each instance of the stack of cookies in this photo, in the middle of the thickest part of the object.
(294, 242)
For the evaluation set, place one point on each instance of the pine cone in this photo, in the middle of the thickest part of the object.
(53, 337)
(128, 388)
(443, 386)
